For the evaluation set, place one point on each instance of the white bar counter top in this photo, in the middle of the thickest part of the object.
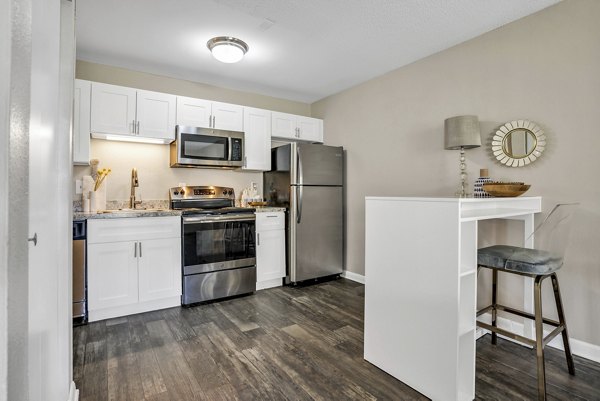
(421, 286)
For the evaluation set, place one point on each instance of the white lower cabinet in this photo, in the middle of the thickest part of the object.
(134, 265)
(270, 249)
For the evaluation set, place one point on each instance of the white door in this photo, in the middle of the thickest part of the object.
(112, 274)
(270, 255)
(156, 115)
(257, 139)
(81, 122)
(310, 129)
(193, 112)
(159, 267)
(228, 116)
(113, 109)
(283, 125)
(49, 273)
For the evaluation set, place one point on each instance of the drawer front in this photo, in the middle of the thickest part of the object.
(270, 221)
(133, 229)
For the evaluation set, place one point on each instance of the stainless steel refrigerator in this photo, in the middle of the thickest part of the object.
(309, 180)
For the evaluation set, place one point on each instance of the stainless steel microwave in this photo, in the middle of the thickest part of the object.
(207, 147)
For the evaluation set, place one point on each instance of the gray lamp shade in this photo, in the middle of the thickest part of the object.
(461, 132)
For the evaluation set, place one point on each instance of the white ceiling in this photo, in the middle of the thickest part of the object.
(301, 50)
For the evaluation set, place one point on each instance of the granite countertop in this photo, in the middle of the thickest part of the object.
(117, 214)
(269, 209)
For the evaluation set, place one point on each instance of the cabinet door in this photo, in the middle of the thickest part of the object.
(112, 275)
(310, 129)
(270, 255)
(113, 109)
(193, 112)
(159, 268)
(257, 139)
(156, 115)
(228, 116)
(283, 125)
(81, 122)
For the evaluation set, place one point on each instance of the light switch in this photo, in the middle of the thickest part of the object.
(78, 186)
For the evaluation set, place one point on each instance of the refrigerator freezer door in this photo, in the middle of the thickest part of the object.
(316, 232)
(317, 164)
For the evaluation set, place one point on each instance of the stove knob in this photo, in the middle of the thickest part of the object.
(230, 192)
(224, 192)
(175, 193)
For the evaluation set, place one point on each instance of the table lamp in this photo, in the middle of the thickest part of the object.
(462, 132)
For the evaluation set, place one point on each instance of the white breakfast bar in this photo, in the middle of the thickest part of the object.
(421, 287)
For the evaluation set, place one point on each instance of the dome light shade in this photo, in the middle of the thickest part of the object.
(227, 49)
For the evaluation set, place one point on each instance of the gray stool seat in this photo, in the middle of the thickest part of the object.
(519, 260)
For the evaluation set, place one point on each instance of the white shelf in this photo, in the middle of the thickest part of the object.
(495, 213)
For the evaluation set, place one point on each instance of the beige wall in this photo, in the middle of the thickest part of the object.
(152, 161)
(545, 68)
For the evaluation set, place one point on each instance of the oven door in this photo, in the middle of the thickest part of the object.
(208, 147)
(218, 242)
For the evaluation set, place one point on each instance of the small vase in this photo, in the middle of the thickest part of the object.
(484, 177)
(93, 200)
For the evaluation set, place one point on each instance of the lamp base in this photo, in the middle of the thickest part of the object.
(463, 190)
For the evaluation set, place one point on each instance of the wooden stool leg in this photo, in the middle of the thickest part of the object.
(562, 321)
(494, 303)
(539, 338)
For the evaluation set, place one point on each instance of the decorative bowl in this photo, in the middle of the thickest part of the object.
(506, 189)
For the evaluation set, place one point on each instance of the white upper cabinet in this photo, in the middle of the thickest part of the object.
(194, 112)
(206, 114)
(228, 116)
(81, 121)
(113, 110)
(297, 128)
(128, 112)
(257, 139)
(155, 115)
(310, 129)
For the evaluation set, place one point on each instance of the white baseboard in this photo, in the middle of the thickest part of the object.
(73, 393)
(359, 278)
(262, 285)
(578, 347)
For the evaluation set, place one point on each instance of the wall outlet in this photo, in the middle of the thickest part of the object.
(78, 186)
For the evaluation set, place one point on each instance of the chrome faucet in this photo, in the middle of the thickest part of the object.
(134, 183)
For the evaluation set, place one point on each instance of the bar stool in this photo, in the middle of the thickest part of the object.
(539, 263)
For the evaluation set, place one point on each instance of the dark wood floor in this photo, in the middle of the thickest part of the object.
(282, 344)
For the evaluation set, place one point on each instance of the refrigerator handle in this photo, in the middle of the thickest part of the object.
(299, 172)
(299, 190)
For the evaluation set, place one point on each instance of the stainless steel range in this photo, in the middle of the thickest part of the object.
(218, 249)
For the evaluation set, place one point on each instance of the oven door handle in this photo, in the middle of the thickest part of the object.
(218, 219)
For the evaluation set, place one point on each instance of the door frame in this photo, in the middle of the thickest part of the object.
(15, 70)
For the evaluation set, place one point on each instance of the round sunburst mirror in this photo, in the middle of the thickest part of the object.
(518, 143)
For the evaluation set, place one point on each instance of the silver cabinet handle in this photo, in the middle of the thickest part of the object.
(33, 239)
(214, 121)
(137, 127)
(257, 238)
(140, 249)
(133, 127)
(135, 249)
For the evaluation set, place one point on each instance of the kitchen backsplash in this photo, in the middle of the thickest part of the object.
(155, 175)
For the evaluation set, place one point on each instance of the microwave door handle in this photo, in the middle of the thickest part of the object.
(229, 145)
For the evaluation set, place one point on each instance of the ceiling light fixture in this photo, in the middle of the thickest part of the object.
(227, 49)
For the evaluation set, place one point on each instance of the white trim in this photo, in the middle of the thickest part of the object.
(124, 310)
(578, 347)
(359, 278)
(275, 282)
(73, 393)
